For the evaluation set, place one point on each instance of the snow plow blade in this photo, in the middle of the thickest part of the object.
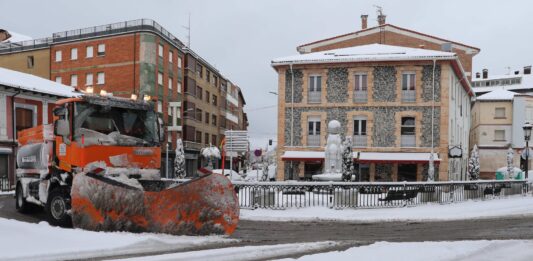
(201, 206)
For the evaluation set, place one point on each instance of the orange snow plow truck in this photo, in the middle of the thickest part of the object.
(97, 167)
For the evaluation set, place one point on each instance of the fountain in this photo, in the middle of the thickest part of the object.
(333, 154)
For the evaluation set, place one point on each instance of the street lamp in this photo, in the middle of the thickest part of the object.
(527, 135)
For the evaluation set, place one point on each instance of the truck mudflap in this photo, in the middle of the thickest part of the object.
(201, 206)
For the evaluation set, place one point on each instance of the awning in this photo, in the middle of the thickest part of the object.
(395, 157)
(6, 150)
(306, 155)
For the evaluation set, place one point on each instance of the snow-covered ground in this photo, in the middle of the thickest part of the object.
(513, 206)
(482, 250)
(25, 241)
(243, 253)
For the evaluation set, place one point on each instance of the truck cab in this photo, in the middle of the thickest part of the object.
(117, 136)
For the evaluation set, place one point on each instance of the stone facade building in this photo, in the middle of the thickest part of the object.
(397, 103)
(497, 120)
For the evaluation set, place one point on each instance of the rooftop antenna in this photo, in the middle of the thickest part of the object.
(188, 28)
(381, 21)
(379, 10)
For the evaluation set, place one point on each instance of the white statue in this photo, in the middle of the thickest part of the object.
(334, 148)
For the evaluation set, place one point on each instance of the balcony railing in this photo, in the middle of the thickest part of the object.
(360, 96)
(314, 97)
(408, 141)
(313, 140)
(408, 96)
(359, 140)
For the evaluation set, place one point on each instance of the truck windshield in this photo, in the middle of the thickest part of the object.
(120, 126)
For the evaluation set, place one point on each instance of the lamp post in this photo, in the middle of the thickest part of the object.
(527, 135)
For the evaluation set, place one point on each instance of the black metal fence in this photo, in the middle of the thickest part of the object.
(282, 195)
(5, 185)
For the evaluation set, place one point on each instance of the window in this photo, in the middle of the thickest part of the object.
(215, 79)
(159, 78)
(360, 90)
(101, 50)
(198, 114)
(88, 79)
(100, 78)
(179, 87)
(89, 52)
(199, 92)
(408, 132)
(214, 120)
(74, 80)
(199, 70)
(170, 56)
(499, 135)
(315, 89)
(499, 113)
(207, 75)
(179, 62)
(313, 131)
(160, 50)
(25, 117)
(206, 138)
(170, 84)
(159, 107)
(58, 79)
(214, 100)
(30, 61)
(189, 110)
(199, 137)
(58, 56)
(207, 96)
(214, 140)
(74, 54)
(408, 87)
(207, 117)
(359, 131)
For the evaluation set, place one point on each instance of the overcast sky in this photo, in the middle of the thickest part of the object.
(241, 37)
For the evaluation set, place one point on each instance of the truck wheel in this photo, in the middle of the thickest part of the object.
(57, 207)
(20, 203)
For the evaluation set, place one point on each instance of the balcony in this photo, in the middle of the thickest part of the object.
(314, 97)
(313, 140)
(408, 141)
(408, 96)
(360, 96)
(359, 140)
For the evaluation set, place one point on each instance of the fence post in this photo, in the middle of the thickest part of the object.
(404, 193)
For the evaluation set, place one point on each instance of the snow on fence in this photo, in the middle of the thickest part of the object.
(282, 195)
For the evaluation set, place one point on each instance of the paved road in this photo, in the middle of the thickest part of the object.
(263, 233)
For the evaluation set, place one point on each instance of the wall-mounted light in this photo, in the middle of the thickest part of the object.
(89, 89)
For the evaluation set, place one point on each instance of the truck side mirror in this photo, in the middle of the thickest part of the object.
(62, 128)
(60, 111)
(161, 129)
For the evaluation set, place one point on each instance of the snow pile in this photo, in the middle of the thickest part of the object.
(514, 206)
(41, 241)
(211, 152)
(244, 253)
(16, 37)
(421, 251)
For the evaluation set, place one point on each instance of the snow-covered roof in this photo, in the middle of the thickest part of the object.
(34, 83)
(497, 95)
(16, 37)
(397, 156)
(364, 53)
(526, 83)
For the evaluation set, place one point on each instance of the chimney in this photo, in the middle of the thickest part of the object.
(527, 69)
(478, 75)
(381, 19)
(485, 73)
(364, 22)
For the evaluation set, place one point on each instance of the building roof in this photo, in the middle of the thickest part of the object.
(386, 27)
(526, 83)
(16, 37)
(497, 95)
(34, 83)
(365, 53)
